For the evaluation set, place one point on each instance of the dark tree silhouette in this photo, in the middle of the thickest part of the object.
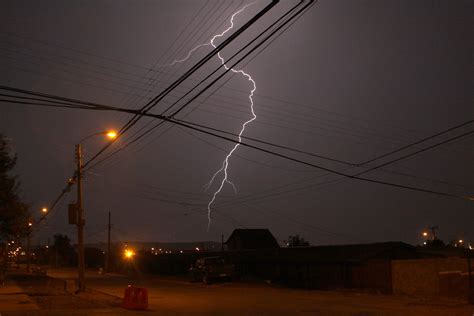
(63, 250)
(297, 241)
(13, 211)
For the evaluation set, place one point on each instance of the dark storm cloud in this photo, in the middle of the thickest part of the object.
(351, 79)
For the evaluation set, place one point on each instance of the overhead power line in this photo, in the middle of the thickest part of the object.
(182, 78)
(356, 177)
(203, 129)
(285, 15)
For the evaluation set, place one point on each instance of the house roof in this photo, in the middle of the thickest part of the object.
(352, 253)
(254, 238)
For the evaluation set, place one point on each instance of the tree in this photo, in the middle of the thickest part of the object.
(435, 244)
(13, 211)
(64, 251)
(297, 241)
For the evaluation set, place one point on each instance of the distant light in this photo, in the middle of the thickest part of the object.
(111, 134)
(180, 251)
(30, 224)
(13, 241)
(197, 248)
(152, 249)
(44, 210)
(460, 241)
(424, 243)
(47, 246)
(425, 234)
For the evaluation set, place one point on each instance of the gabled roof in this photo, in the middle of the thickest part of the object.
(253, 238)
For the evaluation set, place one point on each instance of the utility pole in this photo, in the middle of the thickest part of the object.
(28, 239)
(433, 230)
(107, 258)
(28, 256)
(469, 270)
(80, 221)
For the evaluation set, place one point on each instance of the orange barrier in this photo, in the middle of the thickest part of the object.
(135, 298)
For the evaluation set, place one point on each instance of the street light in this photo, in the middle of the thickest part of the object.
(44, 210)
(80, 209)
(111, 134)
(129, 254)
(425, 234)
(28, 235)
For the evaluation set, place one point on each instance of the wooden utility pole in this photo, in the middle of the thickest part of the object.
(28, 243)
(107, 257)
(80, 221)
(28, 251)
(433, 231)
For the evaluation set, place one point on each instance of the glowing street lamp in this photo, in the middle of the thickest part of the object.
(425, 234)
(44, 210)
(129, 254)
(111, 134)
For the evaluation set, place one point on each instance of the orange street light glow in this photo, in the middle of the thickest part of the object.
(111, 134)
(30, 224)
(44, 210)
(129, 253)
(425, 234)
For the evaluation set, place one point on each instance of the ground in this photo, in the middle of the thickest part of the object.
(32, 295)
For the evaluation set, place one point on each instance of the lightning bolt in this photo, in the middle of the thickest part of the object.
(225, 163)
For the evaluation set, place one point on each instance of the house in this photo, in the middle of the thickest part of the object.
(358, 266)
(246, 239)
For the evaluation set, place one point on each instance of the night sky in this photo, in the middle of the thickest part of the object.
(349, 80)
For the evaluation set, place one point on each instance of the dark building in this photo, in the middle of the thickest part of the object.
(359, 266)
(246, 239)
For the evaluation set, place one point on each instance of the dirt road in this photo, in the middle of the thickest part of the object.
(178, 296)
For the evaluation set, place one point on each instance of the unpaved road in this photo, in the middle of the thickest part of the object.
(178, 296)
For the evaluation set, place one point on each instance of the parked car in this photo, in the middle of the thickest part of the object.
(210, 269)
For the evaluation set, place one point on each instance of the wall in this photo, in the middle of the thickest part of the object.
(420, 276)
(375, 275)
